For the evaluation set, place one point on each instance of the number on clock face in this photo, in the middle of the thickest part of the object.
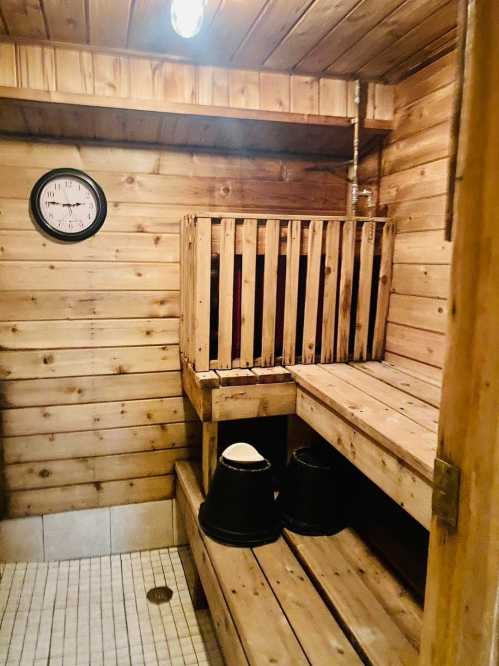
(68, 204)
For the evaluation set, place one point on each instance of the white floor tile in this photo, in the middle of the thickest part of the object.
(94, 611)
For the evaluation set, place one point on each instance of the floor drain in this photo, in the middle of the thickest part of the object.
(159, 595)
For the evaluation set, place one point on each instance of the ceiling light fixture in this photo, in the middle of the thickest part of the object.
(187, 17)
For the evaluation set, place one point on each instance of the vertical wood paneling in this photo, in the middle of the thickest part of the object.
(75, 71)
(384, 285)
(291, 291)
(312, 290)
(226, 292)
(8, 71)
(270, 292)
(36, 67)
(274, 91)
(345, 294)
(364, 290)
(248, 293)
(331, 268)
(304, 94)
(202, 281)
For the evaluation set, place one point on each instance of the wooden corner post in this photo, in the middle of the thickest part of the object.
(461, 620)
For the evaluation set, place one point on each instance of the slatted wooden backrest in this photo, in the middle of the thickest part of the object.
(283, 290)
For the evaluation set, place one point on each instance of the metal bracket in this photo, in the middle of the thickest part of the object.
(445, 501)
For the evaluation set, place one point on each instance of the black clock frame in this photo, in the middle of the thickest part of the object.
(44, 224)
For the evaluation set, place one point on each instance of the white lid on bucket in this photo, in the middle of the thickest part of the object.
(241, 452)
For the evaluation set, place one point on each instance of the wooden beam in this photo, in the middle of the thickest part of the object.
(210, 452)
(461, 622)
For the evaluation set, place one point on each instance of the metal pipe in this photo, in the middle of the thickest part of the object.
(355, 192)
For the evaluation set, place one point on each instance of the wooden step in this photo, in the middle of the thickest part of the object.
(379, 614)
(301, 600)
(381, 419)
(265, 608)
(405, 437)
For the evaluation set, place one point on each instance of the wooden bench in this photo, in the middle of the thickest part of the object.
(301, 600)
(380, 418)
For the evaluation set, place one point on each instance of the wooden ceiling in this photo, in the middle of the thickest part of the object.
(371, 39)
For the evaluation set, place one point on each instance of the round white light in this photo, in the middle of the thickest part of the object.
(187, 17)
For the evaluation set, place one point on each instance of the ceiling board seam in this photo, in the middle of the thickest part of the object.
(421, 46)
(2, 20)
(86, 11)
(385, 17)
(129, 24)
(425, 63)
(396, 9)
(250, 29)
(44, 16)
(338, 23)
(305, 11)
(284, 37)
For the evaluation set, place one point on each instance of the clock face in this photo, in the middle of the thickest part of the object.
(68, 204)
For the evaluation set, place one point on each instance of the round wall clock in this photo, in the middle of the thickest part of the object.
(68, 204)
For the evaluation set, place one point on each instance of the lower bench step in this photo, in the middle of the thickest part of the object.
(300, 600)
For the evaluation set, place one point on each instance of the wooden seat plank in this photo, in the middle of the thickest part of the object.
(415, 409)
(392, 595)
(319, 634)
(420, 389)
(406, 439)
(360, 612)
(416, 369)
(236, 377)
(272, 375)
(406, 487)
(265, 633)
(226, 630)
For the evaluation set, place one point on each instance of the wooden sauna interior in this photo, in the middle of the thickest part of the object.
(300, 248)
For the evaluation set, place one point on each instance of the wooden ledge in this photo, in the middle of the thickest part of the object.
(27, 111)
(226, 395)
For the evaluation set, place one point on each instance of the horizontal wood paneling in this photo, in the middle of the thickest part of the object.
(87, 361)
(427, 313)
(66, 391)
(64, 446)
(30, 245)
(423, 346)
(93, 413)
(421, 280)
(87, 275)
(89, 495)
(70, 418)
(413, 186)
(47, 305)
(82, 333)
(232, 193)
(47, 474)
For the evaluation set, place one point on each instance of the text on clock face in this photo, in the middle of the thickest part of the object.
(68, 204)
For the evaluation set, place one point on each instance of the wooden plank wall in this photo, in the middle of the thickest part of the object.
(107, 74)
(93, 413)
(413, 187)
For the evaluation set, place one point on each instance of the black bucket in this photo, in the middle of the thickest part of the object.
(309, 498)
(240, 509)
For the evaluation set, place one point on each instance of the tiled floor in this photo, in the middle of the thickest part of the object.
(95, 611)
